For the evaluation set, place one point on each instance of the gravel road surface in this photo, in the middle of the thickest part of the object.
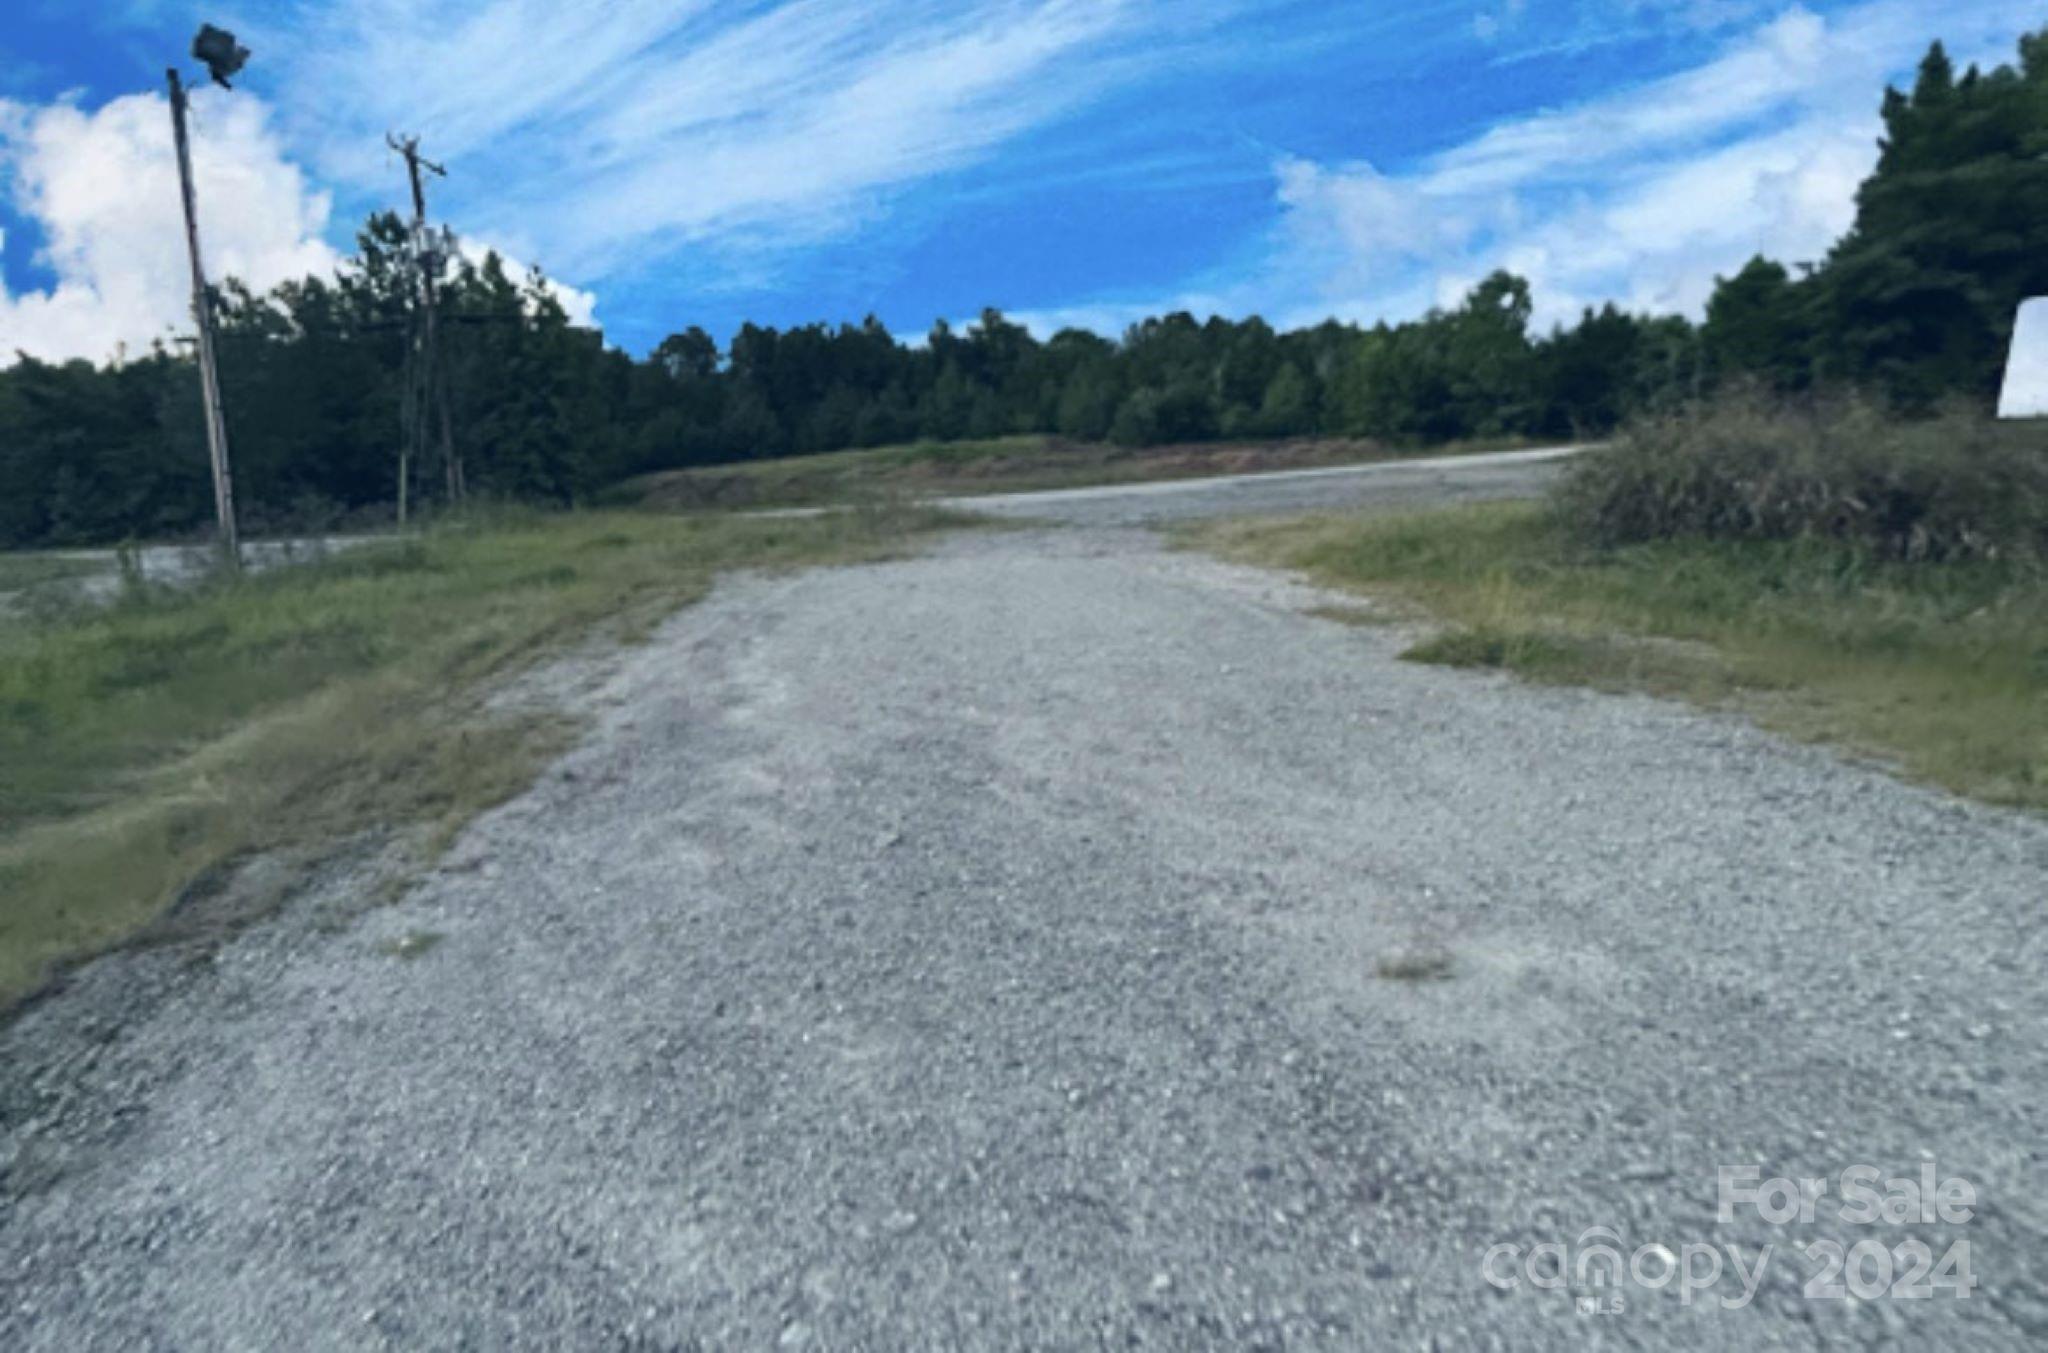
(1057, 942)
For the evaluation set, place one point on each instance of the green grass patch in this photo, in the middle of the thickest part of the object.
(1939, 668)
(19, 572)
(148, 744)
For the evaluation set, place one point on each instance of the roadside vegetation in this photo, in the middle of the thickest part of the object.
(1833, 574)
(151, 744)
(1938, 490)
(29, 572)
(1002, 465)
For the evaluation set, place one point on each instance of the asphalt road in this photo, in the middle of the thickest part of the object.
(1058, 942)
(168, 566)
(1394, 484)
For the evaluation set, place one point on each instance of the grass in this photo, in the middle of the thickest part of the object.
(19, 572)
(32, 584)
(1004, 465)
(1940, 669)
(150, 745)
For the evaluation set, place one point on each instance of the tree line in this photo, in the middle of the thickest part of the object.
(1915, 304)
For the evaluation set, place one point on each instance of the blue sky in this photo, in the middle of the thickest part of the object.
(677, 162)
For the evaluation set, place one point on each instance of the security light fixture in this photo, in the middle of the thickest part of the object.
(221, 53)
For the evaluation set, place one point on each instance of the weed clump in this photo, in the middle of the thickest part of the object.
(1421, 965)
(1952, 488)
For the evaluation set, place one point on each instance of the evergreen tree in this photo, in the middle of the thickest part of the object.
(1757, 327)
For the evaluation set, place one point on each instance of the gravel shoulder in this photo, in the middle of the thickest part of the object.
(987, 950)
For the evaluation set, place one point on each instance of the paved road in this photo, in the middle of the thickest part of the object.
(171, 566)
(1009, 948)
(1423, 482)
(1434, 481)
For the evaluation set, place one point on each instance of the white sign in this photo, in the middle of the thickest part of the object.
(2026, 374)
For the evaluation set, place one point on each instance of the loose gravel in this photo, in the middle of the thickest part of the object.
(1060, 942)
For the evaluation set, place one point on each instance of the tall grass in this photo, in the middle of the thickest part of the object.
(1957, 487)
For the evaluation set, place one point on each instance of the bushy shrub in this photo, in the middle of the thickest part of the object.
(1958, 486)
(1137, 422)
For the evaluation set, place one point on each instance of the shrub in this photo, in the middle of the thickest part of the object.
(1137, 422)
(1958, 486)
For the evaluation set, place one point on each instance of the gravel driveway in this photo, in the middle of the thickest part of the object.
(1056, 942)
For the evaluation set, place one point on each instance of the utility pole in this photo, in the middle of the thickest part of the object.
(428, 394)
(202, 314)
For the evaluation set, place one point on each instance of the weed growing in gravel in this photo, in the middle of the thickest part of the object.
(413, 944)
(1359, 616)
(1423, 965)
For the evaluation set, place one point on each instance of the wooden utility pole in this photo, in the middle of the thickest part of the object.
(202, 314)
(428, 403)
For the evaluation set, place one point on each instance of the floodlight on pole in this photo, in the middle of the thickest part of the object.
(220, 53)
(223, 57)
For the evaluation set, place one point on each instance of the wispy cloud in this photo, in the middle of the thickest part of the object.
(597, 135)
(1513, 27)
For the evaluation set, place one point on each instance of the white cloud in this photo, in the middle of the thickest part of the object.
(1110, 318)
(578, 304)
(1641, 197)
(597, 136)
(102, 188)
